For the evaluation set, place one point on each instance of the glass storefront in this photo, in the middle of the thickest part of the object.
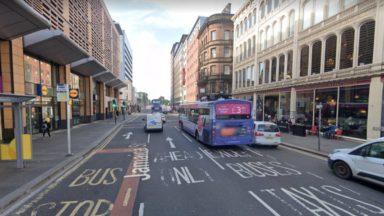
(259, 108)
(353, 110)
(304, 108)
(271, 104)
(328, 98)
(78, 112)
(285, 101)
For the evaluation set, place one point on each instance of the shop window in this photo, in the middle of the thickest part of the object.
(347, 43)
(328, 98)
(316, 57)
(289, 66)
(330, 53)
(283, 112)
(304, 108)
(273, 71)
(261, 72)
(304, 60)
(271, 104)
(353, 111)
(366, 43)
(267, 66)
(281, 67)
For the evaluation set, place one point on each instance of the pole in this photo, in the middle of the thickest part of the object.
(318, 130)
(19, 135)
(69, 130)
(30, 122)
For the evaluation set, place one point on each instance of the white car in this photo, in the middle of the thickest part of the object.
(365, 161)
(267, 133)
(153, 122)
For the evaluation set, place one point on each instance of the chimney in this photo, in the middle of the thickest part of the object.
(227, 9)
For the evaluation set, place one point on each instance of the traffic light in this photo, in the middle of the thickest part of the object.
(123, 105)
(114, 104)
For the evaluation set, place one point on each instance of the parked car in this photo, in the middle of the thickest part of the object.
(267, 133)
(365, 161)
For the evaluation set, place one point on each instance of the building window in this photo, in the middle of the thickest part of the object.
(245, 24)
(205, 56)
(261, 72)
(227, 52)
(227, 69)
(349, 3)
(269, 37)
(319, 11)
(276, 4)
(333, 7)
(253, 44)
(241, 27)
(213, 53)
(304, 108)
(250, 20)
(285, 104)
(276, 33)
(248, 72)
(249, 47)
(366, 43)
(244, 77)
(283, 27)
(289, 66)
(263, 42)
(269, 6)
(227, 35)
(346, 53)
(330, 53)
(252, 75)
(273, 71)
(259, 107)
(307, 14)
(281, 67)
(304, 60)
(213, 70)
(254, 16)
(213, 35)
(267, 65)
(262, 10)
(291, 29)
(241, 52)
(316, 57)
(237, 30)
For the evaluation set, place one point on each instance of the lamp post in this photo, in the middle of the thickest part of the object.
(319, 107)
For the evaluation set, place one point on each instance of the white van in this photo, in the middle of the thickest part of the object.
(153, 122)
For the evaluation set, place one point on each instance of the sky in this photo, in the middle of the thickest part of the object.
(152, 26)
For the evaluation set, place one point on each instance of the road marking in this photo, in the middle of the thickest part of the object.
(169, 139)
(350, 190)
(219, 165)
(304, 153)
(149, 138)
(176, 128)
(128, 135)
(313, 174)
(264, 204)
(127, 196)
(186, 137)
(253, 151)
(141, 209)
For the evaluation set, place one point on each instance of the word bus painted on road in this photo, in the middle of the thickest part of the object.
(221, 122)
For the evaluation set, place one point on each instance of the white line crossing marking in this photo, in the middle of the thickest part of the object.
(141, 209)
(264, 204)
(217, 163)
(313, 174)
(127, 196)
(149, 138)
(186, 137)
(176, 128)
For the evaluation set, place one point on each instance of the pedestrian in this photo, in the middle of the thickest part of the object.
(45, 128)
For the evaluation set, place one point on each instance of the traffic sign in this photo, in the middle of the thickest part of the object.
(74, 93)
(62, 92)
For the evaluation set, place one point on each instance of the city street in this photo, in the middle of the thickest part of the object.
(169, 173)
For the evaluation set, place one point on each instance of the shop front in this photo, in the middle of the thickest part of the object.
(271, 105)
(76, 82)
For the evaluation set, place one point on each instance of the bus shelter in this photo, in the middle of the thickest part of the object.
(16, 103)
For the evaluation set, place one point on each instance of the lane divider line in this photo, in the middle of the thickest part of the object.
(176, 128)
(148, 138)
(217, 163)
(264, 204)
(186, 137)
(141, 209)
(127, 196)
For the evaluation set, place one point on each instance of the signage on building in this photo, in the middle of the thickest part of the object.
(44, 90)
(62, 92)
(74, 93)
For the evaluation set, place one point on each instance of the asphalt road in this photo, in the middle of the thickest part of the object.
(169, 173)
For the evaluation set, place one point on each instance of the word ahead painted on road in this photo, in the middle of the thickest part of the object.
(261, 169)
(94, 177)
(177, 156)
(140, 164)
(311, 200)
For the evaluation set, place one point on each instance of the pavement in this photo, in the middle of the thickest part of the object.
(169, 173)
(49, 157)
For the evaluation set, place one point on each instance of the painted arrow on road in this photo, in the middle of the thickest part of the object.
(170, 140)
(128, 135)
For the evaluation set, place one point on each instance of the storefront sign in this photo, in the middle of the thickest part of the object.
(62, 92)
(74, 93)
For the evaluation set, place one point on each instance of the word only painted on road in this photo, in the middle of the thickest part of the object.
(85, 208)
(140, 164)
(311, 200)
(95, 177)
(261, 169)
(184, 175)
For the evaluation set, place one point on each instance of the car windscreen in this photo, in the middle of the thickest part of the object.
(267, 128)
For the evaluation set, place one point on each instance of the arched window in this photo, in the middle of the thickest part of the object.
(330, 53)
(307, 14)
(289, 64)
(333, 7)
(249, 47)
(269, 36)
(262, 10)
(283, 27)
(262, 40)
(316, 57)
(291, 29)
(245, 50)
(254, 16)
(273, 69)
(245, 24)
(366, 42)
(266, 80)
(269, 6)
(304, 60)
(276, 4)
(276, 33)
(249, 20)
(281, 67)
(319, 11)
(346, 52)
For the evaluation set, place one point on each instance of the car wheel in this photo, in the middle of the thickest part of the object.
(342, 170)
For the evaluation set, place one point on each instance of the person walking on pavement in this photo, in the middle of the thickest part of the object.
(47, 126)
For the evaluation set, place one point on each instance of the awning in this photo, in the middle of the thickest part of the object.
(87, 67)
(105, 76)
(54, 46)
(14, 98)
(117, 83)
(121, 85)
(17, 18)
